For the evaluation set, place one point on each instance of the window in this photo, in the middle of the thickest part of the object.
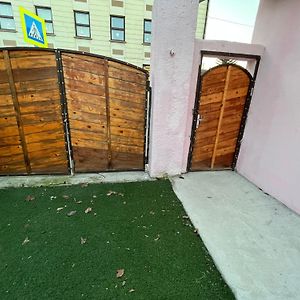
(147, 31)
(46, 14)
(82, 24)
(117, 28)
(6, 17)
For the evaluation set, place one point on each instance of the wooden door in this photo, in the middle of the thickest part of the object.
(224, 91)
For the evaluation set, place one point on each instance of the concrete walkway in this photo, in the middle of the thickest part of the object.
(253, 239)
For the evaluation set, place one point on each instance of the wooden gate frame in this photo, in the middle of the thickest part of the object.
(257, 59)
(64, 106)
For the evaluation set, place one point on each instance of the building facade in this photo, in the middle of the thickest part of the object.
(116, 28)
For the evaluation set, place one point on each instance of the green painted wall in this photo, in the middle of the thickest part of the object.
(135, 11)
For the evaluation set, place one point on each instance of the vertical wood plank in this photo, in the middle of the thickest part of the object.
(107, 105)
(220, 117)
(17, 109)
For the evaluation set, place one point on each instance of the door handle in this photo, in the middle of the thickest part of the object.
(199, 119)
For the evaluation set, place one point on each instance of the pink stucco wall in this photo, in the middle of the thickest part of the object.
(174, 27)
(270, 149)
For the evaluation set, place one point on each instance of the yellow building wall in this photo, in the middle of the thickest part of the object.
(135, 11)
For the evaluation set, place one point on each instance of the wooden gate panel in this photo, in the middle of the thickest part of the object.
(224, 91)
(234, 104)
(86, 97)
(127, 95)
(209, 111)
(11, 154)
(36, 83)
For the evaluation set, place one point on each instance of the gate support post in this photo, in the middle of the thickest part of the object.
(172, 80)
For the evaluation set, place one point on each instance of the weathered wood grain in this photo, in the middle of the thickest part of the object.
(223, 95)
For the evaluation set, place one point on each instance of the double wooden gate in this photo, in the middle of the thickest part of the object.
(62, 110)
(222, 103)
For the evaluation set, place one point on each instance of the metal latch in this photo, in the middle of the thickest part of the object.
(199, 119)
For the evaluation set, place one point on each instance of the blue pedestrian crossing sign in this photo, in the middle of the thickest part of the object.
(34, 28)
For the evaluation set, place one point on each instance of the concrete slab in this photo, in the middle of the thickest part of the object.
(45, 180)
(253, 239)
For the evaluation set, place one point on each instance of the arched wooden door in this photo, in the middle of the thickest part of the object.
(220, 109)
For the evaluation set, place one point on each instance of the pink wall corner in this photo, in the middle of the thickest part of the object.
(271, 143)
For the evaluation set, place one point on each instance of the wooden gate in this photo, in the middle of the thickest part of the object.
(106, 104)
(220, 113)
(62, 111)
(32, 137)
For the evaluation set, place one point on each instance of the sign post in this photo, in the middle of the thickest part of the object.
(34, 28)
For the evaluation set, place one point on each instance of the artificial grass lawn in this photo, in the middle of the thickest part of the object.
(142, 229)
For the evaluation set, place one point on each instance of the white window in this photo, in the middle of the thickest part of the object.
(46, 14)
(7, 21)
(82, 24)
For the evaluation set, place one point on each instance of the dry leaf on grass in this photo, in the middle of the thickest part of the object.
(83, 240)
(65, 196)
(120, 273)
(131, 291)
(26, 241)
(60, 208)
(110, 193)
(30, 198)
(78, 202)
(71, 213)
(156, 239)
(88, 210)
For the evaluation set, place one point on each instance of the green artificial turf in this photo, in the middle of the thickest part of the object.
(141, 228)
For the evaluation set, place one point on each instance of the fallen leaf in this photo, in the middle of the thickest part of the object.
(121, 194)
(120, 273)
(94, 196)
(89, 209)
(83, 240)
(123, 283)
(185, 217)
(78, 202)
(30, 198)
(65, 196)
(109, 193)
(26, 241)
(52, 197)
(71, 213)
(60, 208)
(132, 290)
(156, 239)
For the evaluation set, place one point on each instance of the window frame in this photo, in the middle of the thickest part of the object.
(147, 32)
(46, 21)
(117, 28)
(83, 25)
(8, 17)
